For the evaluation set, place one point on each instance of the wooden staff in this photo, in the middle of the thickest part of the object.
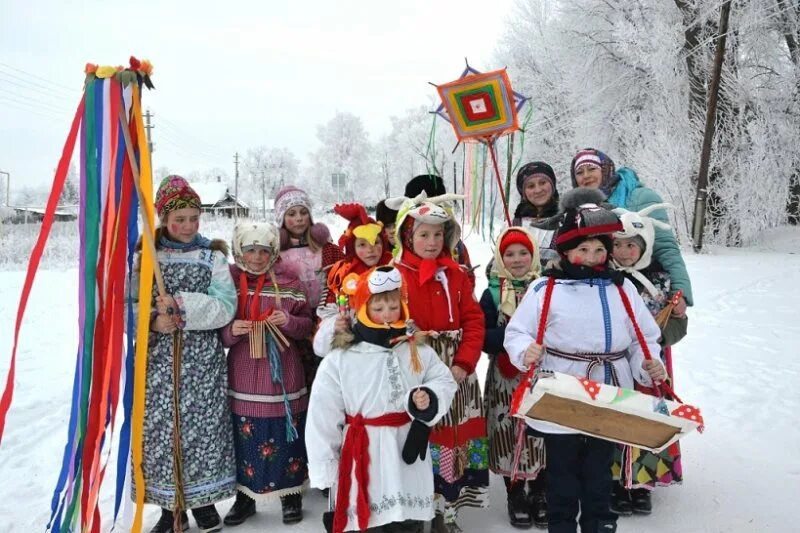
(177, 339)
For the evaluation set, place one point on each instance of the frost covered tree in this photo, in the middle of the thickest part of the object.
(345, 149)
(630, 78)
(266, 170)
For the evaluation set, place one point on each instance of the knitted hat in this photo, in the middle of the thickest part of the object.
(535, 168)
(641, 227)
(584, 219)
(288, 197)
(361, 226)
(385, 214)
(431, 184)
(596, 157)
(515, 235)
(247, 234)
(175, 193)
(424, 210)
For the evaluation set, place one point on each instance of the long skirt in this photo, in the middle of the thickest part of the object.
(206, 439)
(502, 428)
(459, 446)
(268, 465)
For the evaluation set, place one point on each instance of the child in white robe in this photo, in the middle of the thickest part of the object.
(375, 399)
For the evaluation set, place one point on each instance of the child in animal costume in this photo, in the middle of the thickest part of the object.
(200, 300)
(365, 246)
(268, 393)
(587, 333)
(376, 397)
(442, 304)
(516, 261)
(639, 471)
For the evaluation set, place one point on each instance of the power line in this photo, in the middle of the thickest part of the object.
(29, 74)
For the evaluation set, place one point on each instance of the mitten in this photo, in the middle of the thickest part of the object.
(416, 444)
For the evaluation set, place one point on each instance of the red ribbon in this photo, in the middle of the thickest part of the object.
(254, 313)
(355, 452)
(36, 256)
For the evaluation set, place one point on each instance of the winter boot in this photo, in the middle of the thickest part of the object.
(621, 501)
(292, 506)
(242, 509)
(165, 523)
(537, 500)
(207, 519)
(519, 513)
(642, 502)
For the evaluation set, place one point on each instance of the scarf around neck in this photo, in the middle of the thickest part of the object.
(427, 267)
(197, 242)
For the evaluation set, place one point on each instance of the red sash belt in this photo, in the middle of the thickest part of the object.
(355, 451)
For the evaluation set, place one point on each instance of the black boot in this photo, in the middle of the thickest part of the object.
(207, 519)
(292, 506)
(242, 509)
(165, 523)
(621, 501)
(537, 500)
(519, 513)
(642, 503)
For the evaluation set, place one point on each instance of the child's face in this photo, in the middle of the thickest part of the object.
(384, 311)
(183, 224)
(369, 254)
(626, 252)
(538, 190)
(256, 258)
(589, 176)
(297, 220)
(589, 253)
(389, 230)
(517, 260)
(428, 240)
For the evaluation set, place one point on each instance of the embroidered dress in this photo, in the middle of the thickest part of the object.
(268, 395)
(370, 382)
(201, 284)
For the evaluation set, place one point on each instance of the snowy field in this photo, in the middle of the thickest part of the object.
(739, 363)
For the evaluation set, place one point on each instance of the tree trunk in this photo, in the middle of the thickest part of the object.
(697, 78)
(789, 16)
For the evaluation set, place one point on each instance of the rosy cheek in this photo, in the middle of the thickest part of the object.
(577, 261)
(174, 228)
(195, 225)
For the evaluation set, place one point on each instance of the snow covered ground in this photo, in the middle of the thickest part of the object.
(739, 363)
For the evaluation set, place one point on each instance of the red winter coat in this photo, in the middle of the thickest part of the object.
(428, 306)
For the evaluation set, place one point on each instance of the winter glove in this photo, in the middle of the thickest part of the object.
(416, 444)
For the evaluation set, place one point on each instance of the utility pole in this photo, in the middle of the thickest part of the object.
(148, 127)
(236, 187)
(8, 187)
(698, 223)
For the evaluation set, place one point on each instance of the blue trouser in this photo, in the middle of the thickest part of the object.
(579, 472)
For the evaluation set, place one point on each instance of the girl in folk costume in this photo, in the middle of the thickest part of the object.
(375, 399)
(516, 261)
(201, 299)
(365, 246)
(307, 247)
(588, 332)
(442, 305)
(633, 255)
(267, 392)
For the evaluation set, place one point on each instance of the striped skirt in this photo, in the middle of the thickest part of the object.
(459, 445)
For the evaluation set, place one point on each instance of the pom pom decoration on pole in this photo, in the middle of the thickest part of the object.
(482, 107)
(115, 187)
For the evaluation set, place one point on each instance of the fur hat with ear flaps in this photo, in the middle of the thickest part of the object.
(248, 234)
(423, 210)
(583, 218)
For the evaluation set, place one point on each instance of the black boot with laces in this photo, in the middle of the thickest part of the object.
(207, 519)
(292, 507)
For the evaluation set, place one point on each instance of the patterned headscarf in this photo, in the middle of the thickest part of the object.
(175, 193)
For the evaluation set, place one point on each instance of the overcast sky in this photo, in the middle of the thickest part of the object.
(231, 75)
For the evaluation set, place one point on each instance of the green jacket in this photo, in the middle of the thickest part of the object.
(665, 248)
